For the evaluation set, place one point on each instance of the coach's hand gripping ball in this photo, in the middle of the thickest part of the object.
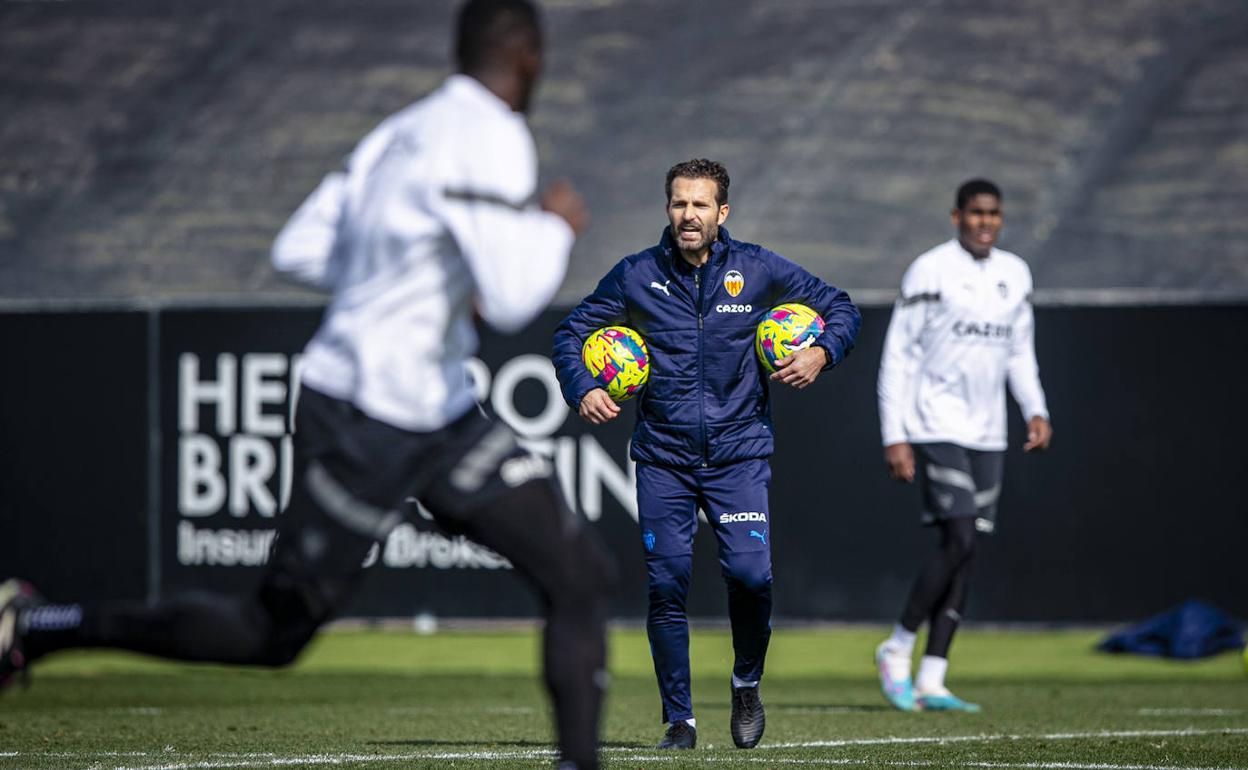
(617, 358)
(785, 330)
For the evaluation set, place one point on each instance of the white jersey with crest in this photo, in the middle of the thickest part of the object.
(431, 222)
(961, 332)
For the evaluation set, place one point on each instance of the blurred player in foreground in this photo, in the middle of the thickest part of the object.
(960, 332)
(429, 223)
(704, 433)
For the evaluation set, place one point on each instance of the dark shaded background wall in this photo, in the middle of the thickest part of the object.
(1138, 505)
(154, 148)
(73, 451)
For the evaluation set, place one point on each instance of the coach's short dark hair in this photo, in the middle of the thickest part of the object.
(485, 26)
(701, 168)
(973, 187)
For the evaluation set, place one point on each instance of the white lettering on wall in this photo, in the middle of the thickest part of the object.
(236, 457)
(252, 462)
(201, 487)
(259, 389)
(194, 393)
(598, 470)
(509, 376)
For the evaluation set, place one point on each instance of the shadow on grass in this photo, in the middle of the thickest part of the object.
(827, 708)
(477, 743)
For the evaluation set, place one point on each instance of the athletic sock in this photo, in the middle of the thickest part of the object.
(692, 722)
(931, 677)
(739, 683)
(902, 640)
(51, 627)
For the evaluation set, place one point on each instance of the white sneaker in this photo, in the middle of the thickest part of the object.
(893, 666)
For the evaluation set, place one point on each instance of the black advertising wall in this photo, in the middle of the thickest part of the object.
(225, 386)
(73, 451)
(226, 379)
(147, 452)
(1135, 507)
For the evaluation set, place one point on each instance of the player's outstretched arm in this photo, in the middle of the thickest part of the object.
(598, 408)
(517, 252)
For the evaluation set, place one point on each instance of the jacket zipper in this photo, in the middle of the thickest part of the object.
(697, 284)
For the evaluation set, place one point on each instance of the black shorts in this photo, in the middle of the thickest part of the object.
(350, 460)
(959, 482)
(353, 475)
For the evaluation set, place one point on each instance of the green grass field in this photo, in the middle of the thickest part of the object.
(472, 700)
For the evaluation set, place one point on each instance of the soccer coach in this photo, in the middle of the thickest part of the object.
(704, 431)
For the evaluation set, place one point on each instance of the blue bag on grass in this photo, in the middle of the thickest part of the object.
(1194, 629)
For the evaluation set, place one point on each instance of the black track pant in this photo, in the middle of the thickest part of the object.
(939, 592)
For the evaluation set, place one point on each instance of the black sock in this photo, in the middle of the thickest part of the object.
(52, 627)
(948, 614)
(194, 627)
(933, 585)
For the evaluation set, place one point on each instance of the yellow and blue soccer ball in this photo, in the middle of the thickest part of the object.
(617, 358)
(785, 330)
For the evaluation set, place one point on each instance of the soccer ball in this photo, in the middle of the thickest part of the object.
(617, 358)
(785, 330)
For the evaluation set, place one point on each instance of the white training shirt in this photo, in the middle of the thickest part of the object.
(431, 220)
(961, 330)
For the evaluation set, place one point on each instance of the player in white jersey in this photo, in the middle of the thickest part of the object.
(430, 223)
(961, 332)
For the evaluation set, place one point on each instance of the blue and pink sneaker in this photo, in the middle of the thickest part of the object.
(894, 669)
(943, 700)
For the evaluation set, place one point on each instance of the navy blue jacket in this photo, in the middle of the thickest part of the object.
(706, 401)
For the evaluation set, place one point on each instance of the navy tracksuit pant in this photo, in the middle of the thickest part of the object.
(734, 498)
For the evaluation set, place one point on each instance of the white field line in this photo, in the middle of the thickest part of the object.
(340, 759)
(168, 752)
(771, 761)
(1000, 737)
(263, 760)
(1188, 712)
(319, 760)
